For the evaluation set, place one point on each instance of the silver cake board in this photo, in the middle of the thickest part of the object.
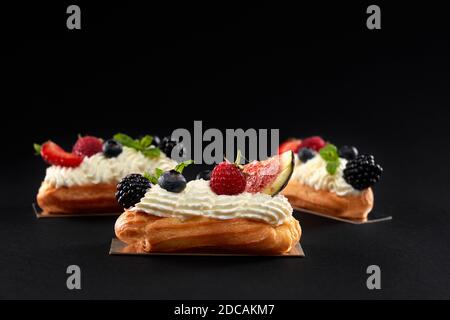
(40, 214)
(372, 217)
(120, 248)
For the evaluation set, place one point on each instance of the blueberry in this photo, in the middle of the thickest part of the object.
(172, 181)
(348, 152)
(205, 175)
(306, 154)
(111, 148)
(167, 145)
(156, 141)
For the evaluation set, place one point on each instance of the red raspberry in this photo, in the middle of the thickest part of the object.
(227, 178)
(55, 155)
(87, 146)
(290, 145)
(316, 143)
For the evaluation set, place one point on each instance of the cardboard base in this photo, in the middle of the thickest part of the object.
(40, 214)
(372, 218)
(120, 248)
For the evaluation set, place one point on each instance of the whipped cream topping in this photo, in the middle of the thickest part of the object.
(197, 199)
(313, 173)
(99, 169)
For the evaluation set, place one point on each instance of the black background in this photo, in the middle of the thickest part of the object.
(305, 69)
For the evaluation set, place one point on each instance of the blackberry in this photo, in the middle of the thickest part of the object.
(362, 172)
(167, 145)
(132, 189)
(205, 175)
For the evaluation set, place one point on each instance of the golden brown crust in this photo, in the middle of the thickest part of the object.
(150, 233)
(321, 201)
(93, 198)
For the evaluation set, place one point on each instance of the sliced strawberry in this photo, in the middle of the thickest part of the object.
(290, 145)
(55, 155)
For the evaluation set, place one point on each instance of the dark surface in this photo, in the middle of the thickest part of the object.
(305, 70)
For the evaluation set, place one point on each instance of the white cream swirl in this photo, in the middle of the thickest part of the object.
(313, 173)
(197, 199)
(99, 169)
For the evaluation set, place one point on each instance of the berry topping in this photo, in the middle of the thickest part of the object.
(172, 181)
(290, 145)
(167, 145)
(348, 152)
(132, 189)
(205, 175)
(111, 148)
(87, 146)
(316, 143)
(227, 178)
(55, 155)
(362, 172)
(156, 141)
(306, 154)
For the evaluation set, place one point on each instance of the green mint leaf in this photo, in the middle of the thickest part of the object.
(329, 153)
(146, 141)
(37, 149)
(151, 152)
(151, 178)
(127, 141)
(332, 167)
(158, 173)
(147, 175)
(143, 145)
(180, 167)
(154, 178)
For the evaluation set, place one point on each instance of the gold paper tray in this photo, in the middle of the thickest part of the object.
(40, 214)
(372, 218)
(120, 248)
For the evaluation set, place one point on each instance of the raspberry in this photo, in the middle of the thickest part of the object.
(228, 179)
(87, 146)
(316, 143)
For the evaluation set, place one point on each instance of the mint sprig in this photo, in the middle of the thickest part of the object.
(329, 153)
(143, 145)
(153, 178)
(180, 167)
(37, 149)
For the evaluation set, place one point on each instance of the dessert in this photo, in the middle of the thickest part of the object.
(238, 210)
(332, 181)
(85, 179)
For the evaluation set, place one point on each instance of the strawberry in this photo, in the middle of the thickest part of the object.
(291, 144)
(87, 146)
(227, 178)
(316, 143)
(55, 155)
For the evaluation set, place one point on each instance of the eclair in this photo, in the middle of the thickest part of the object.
(331, 181)
(233, 212)
(84, 181)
